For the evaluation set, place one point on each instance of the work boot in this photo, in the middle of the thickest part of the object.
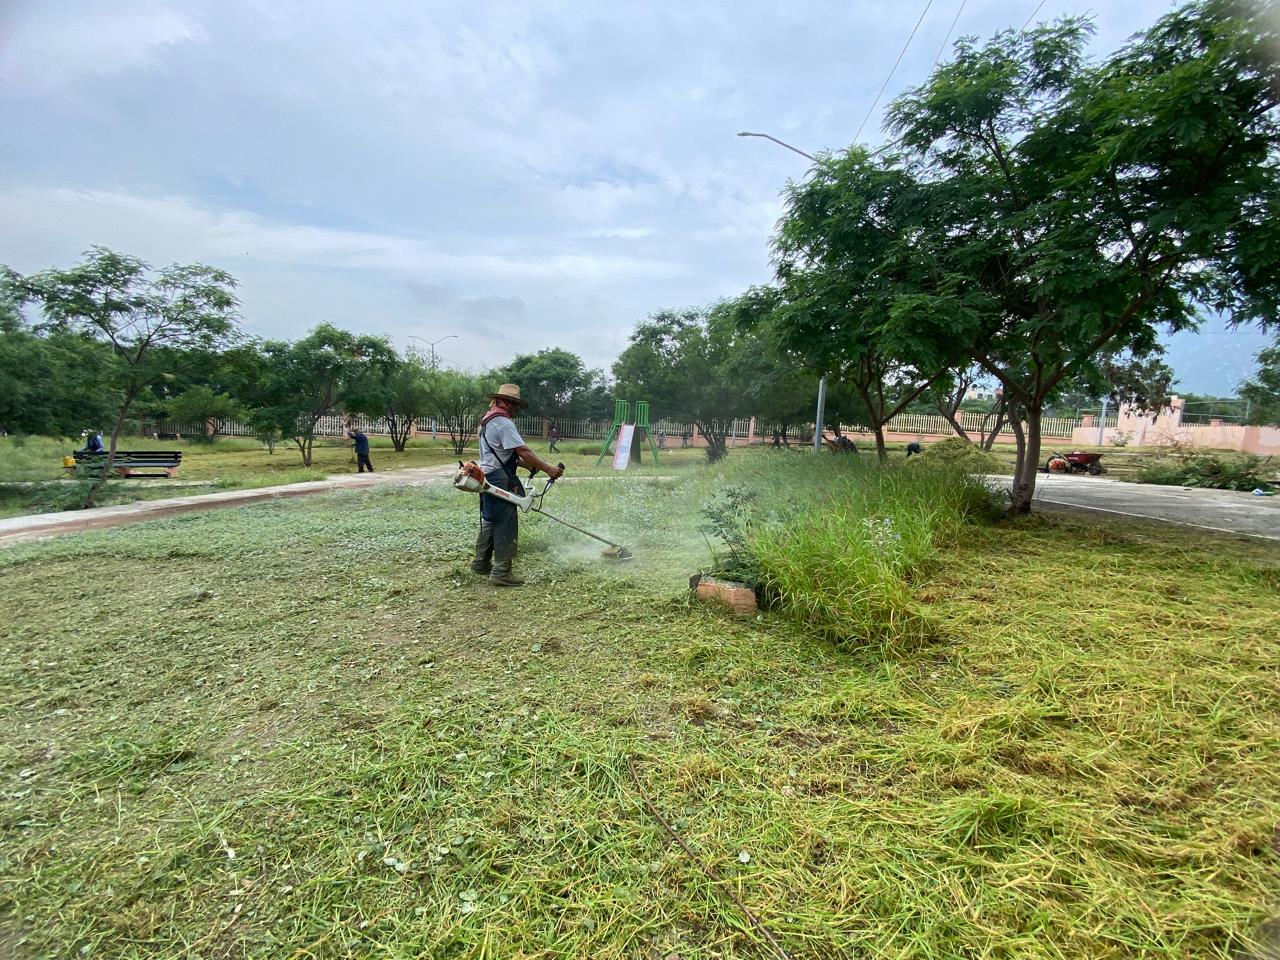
(502, 574)
(483, 563)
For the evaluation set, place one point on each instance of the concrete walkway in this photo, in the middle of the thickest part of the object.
(1223, 511)
(40, 525)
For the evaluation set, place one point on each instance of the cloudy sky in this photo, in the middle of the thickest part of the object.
(519, 175)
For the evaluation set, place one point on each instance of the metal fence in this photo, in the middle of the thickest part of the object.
(579, 429)
(934, 425)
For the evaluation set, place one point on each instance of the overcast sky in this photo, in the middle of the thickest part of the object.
(518, 177)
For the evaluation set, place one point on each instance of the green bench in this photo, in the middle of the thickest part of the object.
(128, 463)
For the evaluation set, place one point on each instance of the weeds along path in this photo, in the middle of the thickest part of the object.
(304, 729)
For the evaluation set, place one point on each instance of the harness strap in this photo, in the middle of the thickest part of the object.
(509, 465)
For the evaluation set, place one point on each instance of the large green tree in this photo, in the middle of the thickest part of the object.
(778, 388)
(682, 362)
(325, 372)
(54, 382)
(400, 393)
(846, 260)
(1072, 208)
(201, 405)
(137, 312)
(457, 400)
(552, 381)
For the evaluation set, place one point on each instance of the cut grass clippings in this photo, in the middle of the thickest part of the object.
(303, 729)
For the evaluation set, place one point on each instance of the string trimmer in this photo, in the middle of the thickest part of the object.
(471, 479)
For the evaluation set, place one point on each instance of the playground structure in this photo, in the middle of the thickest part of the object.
(640, 426)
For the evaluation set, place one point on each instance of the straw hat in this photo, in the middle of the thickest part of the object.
(510, 392)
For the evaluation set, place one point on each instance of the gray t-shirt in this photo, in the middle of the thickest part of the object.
(498, 438)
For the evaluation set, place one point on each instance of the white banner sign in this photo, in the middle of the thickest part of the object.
(622, 453)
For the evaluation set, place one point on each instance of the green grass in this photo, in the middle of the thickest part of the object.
(838, 542)
(32, 479)
(302, 729)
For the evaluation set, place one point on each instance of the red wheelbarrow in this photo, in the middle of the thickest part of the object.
(1075, 462)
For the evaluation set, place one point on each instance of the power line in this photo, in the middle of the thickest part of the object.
(901, 54)
(1033, 14)
(943, 49)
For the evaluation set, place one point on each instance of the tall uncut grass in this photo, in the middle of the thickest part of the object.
(841, 543)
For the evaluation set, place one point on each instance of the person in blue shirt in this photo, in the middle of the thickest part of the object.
(93, 442)
(362, 448)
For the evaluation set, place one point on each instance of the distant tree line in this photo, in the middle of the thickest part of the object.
(110, 340)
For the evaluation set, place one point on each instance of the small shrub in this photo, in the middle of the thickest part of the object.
(587, 449)
(728, 516)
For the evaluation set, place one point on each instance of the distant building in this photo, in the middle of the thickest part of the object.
(983, 392)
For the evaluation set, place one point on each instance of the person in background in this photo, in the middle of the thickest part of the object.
(913, 448)
(553, 434)
(93, 442)
(662, 439)
(684, 438)
(362, 449)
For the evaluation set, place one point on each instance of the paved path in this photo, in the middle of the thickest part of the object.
(1225, 511)
(39, 525)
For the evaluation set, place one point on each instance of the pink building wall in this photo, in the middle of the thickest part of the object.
(1167, 429)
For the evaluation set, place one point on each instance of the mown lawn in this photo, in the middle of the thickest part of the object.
(32, 479)
(303, 729)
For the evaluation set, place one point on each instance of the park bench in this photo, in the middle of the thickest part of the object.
(128, 462)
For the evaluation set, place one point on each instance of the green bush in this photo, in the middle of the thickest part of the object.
(842, 546)
(587, 449)
(1212, 470)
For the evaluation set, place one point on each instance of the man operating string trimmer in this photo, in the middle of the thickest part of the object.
(502, 450)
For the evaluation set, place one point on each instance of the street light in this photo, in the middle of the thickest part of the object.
(432, 344)
(822, 383)
(781, 143)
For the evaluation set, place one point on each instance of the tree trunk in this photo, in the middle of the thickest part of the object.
(715, 435)
(399, 430)
(91, 497)
(1024, 479)
(988, 439)
(881, 450)
(950, 416)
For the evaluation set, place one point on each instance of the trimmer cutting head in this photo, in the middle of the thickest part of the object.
(619, 554)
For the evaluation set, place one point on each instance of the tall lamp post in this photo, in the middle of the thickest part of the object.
(822, 382)
(432, 345)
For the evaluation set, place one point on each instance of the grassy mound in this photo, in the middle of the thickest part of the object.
(960, 454)
(840, 543)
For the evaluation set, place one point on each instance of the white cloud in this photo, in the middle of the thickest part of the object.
(173, 228)
(50, 45)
